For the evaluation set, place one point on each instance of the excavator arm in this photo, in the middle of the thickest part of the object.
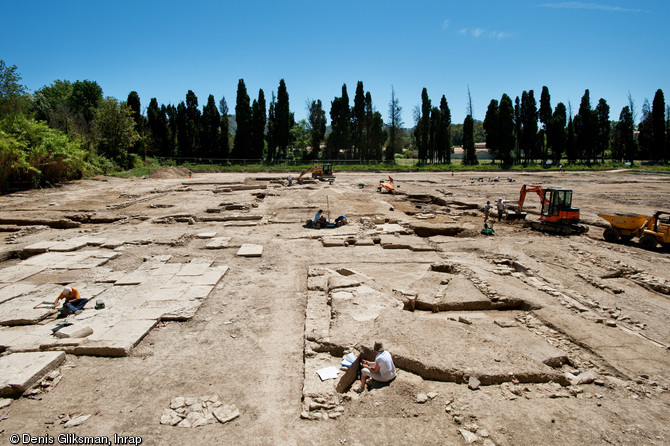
(531, 188)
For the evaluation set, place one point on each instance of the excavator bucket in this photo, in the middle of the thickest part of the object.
(516, 216)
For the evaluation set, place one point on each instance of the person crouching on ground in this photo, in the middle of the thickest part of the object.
(382, 369)
(73, 301)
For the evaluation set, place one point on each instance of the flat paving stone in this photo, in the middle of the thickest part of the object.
(17, 273)
(19, 371)
(39, 247)
(20, 311)
(249, 250)
(206, 235)
(13, 290)
(194, 269)
(218, 243)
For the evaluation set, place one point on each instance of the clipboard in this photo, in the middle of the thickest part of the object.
(45, 305)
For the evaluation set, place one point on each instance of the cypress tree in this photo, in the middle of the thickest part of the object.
(506, 138)
(271, 136)
(491, 127)
(603, 128)
(585, 130)
(395, 128)
(358, 123)
(545, 119)
(529, 129)
(317, 122)
(192, 125)
(571, 142)
(259, 119)
(181, 131)
(339, 139)
(444, 143)
(158, 129)
(423, 127)
(434, 131)
(282, 120)
(623, 142)
(517, 129)
(211, 119)
(557, 136)
(469, 152)
(242, 143)
(223, 150)
(658, 135)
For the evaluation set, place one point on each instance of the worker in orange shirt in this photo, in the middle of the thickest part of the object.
(73, 301)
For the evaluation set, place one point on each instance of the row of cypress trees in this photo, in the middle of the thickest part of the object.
(513, 136)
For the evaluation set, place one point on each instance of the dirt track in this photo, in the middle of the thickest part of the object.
(260, 334)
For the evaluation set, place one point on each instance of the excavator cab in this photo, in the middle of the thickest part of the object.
(327, 170)
(557, 206)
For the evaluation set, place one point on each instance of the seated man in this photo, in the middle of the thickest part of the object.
(319, 219)
(382, 369)
(73, 301)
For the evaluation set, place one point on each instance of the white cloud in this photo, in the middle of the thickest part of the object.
(588, 5)
(479, 32)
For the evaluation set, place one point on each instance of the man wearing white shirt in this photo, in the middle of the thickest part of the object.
(382, 369)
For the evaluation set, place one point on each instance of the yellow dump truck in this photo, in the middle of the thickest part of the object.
(651, 230)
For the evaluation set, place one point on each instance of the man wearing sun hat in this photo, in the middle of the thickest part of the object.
(73, 301)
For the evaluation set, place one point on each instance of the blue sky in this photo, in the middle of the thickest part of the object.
(164, 48)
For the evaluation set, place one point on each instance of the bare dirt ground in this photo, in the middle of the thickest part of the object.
(567, 336)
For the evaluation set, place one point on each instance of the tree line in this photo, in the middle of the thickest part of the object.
(68, 129)
(590, 137)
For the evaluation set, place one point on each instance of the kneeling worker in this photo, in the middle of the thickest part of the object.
(73, 301)
(382, 369)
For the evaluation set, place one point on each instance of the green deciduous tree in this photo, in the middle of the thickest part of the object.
(84, 100)
(115, 131)
(13, 99)
(51, 104)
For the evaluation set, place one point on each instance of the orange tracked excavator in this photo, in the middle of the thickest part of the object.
(557, 214)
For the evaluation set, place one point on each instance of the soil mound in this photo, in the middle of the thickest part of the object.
(170, 172)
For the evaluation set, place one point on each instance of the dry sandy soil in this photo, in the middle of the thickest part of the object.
(523, 338)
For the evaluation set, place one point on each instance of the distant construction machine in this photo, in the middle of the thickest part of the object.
(557, 214)
(651, 230)
(324, 173)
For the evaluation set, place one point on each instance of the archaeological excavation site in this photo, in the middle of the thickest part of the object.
(220, 312)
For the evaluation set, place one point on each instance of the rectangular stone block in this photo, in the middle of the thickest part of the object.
(19, 371)
(249, 250)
